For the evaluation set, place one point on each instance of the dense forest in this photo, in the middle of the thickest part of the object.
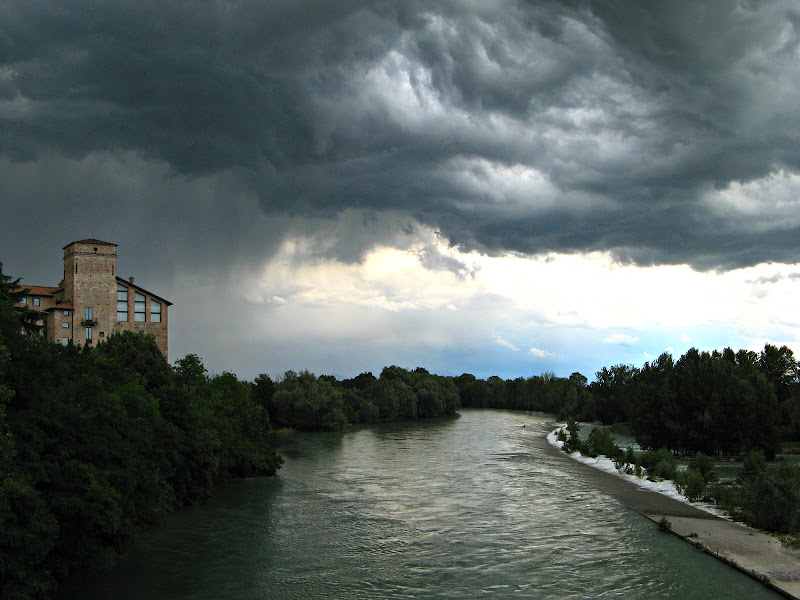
(306, 403)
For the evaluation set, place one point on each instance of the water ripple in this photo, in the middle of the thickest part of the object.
(466, 508)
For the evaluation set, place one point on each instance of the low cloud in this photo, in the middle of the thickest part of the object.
(506, 344)
(621, 338)
(539, 353)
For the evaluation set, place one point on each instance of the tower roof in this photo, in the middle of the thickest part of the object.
(89, 241)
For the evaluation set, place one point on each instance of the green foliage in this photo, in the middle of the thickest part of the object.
(703, 465)
(140, 353)
(769, 498)
(546, 393)
(790, 448)
(572, 438)
(660, 464)
(611, 391)
(98, 444)
(691, 484)
(665, 525)
(719, 402)
(308, 403)
(189, 371)
(600, 442)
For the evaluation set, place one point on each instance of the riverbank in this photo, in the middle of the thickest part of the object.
(753, 552)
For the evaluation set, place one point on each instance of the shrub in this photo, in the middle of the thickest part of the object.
(769, 498)
(691, 484)
(660, 464)
(601, 442)
(665, 525)
(704, 466)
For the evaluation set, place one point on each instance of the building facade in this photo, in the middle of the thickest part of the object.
(92, 302)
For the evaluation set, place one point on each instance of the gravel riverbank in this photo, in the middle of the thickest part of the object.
(756, 553)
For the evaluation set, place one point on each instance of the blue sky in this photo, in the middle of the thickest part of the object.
(497, 188)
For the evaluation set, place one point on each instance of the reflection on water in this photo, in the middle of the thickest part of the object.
(460, 508)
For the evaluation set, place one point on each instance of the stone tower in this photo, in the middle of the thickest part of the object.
(90, 285)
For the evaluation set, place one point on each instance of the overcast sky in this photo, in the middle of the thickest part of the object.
(493, 187)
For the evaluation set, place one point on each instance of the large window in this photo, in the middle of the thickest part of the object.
(122, 302)
(88, 313)
(88, 335)
(37, 302)
(155, 311)
(139, 313)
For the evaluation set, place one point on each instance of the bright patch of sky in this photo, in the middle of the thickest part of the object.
(548, 312)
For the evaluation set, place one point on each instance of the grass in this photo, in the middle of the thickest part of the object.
(665, 525)
(791, 540)
(790, 448)
(283, 431)
(621, 429)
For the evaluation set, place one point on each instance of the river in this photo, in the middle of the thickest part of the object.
(467, 507)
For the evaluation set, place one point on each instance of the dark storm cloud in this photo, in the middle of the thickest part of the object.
(508, 126)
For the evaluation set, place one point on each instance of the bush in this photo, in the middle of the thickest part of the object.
(660, 464)
(704, 466)
(601, 442)
(691, 484)
(573, 442)
(769, 498)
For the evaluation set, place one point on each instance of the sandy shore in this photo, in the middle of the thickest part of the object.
(758, 554)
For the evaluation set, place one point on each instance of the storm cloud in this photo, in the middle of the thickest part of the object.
(502, 187)
(508, 126)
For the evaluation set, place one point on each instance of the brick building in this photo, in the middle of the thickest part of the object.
(91, 302)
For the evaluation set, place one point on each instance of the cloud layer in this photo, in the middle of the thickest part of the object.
(530, 127)
(401, 166)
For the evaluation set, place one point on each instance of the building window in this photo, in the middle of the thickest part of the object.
(88, 313)
(66, 313)
(155, 311)
(37, 301)
(122, 303)
(64, 341)
(88, 335)
(24, 301)
(64, 325)
(138, 308)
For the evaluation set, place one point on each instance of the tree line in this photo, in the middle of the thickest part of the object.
(720, 403)
(305, 402)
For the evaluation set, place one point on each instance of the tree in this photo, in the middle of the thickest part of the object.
(138, 351)
(611, 392)
(189, 370)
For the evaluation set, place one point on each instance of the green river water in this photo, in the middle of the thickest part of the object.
(469, 507)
